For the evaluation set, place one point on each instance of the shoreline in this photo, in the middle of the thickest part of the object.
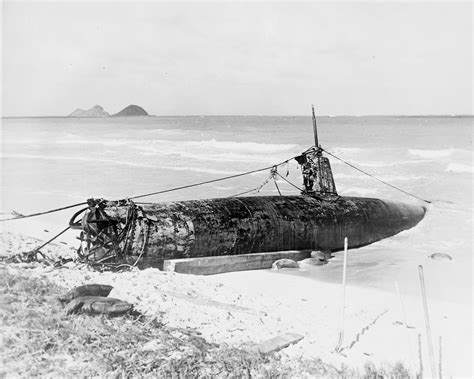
(248, 307)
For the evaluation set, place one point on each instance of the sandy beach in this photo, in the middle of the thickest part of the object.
(242, 309)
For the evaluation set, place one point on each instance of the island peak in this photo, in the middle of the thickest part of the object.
(95, 111)
(131, 110)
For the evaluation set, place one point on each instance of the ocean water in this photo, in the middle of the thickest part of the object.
(53, 162)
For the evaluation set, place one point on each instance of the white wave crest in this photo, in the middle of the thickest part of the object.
(120, 163)
(460, 168)
(382, 164)
(359, 191)
(252, 147)
(347, 150)
(431, 154)
(158, 144)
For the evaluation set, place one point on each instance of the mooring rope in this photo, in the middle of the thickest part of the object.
(374, 177)
(298, 188)
(20, 216)
(31, 255)
(211, 181)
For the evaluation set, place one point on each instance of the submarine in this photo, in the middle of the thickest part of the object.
(146, 234)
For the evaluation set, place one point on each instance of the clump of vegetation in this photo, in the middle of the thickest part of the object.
(39, 339)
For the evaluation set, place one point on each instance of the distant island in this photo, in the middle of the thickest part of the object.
(98, 111)
(131, 110)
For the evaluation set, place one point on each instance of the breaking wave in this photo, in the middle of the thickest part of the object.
(121, 163)
(359, 191)
(432, 154)
(381, 164)
(460, 168)
(249, 147)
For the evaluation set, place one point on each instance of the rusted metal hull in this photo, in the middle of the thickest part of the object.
(244, 225)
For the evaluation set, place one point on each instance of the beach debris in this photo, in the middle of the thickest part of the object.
(86, 290)
(278, 343)
(400, 323)
(93, 299)
(318, 258)
(33, 256)
(98, 305)
(321, 254)
(17, 214)
(284, 263)
(64, 262)
(440, 257)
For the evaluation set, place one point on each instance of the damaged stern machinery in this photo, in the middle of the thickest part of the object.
(123, 232)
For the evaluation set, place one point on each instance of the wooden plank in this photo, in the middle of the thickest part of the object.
(278, 343)
(231, 263)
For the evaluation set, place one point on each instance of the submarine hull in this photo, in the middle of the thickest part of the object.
(244, 225)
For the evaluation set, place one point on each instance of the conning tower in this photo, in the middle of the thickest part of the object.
(317, 174)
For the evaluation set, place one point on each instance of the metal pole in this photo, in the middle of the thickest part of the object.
(420, 358)
(315, 129)
(402, 307)
(404, 318)
(427, 322)
(440, 360)
(344, 269)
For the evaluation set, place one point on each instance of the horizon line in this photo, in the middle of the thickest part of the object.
(461, 115)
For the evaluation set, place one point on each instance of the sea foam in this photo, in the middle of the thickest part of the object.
(460, 168)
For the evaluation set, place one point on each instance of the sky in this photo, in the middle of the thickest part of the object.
(234, 58)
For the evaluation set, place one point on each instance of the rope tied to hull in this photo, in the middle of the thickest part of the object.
(21, 216)
(33, 255)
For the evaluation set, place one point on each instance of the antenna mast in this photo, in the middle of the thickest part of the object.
(315, 130)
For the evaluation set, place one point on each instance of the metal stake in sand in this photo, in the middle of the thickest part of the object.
(404, 317)
(427, 322)
(402, 307)
(344, 267)
(420, 357)
(440, 360)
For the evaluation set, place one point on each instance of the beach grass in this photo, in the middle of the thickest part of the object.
(39, 339)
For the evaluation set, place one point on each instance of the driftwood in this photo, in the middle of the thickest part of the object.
(277, 343)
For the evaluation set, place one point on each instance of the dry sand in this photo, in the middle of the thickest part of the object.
(244, 308)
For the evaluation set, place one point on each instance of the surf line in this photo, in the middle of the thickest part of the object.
(21, 216)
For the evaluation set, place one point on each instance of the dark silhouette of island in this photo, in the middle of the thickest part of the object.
(95, 111)
(131, 110)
